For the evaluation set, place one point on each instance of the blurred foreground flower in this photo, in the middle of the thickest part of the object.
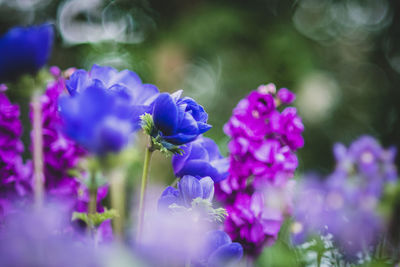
(42, 239)
(24, 50)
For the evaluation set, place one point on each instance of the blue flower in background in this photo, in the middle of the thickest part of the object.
(24, 50)
(201, 158)
(220, 251)
(189, 188)
(133, 97)
(179, 120)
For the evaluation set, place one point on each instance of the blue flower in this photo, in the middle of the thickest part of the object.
(201, 158)
(126, 85)
(179, 120)
(96, 120)
(220, 251)
(189, 188)
(24, 50)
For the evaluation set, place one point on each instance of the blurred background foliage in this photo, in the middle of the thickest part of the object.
(341, 57)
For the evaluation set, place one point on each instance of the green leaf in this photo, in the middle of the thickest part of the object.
(95, 219)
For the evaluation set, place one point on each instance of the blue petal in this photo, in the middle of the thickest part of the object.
(214, 240)
(180, 138)
(24, 50)
(203, 127)
(207, 186)
(187, 125)
(178, 161)
(226, 255)
(78, 81)
(104, 74)
(189, 188)
(111, 136)
(169, 197)
(211, 147)
(200, 168)
(147, 94)
(165, 114)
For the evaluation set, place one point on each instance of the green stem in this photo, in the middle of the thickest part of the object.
(38, 151)
(146, 166)
(92, 194)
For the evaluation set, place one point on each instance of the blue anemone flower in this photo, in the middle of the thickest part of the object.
(179, 120)
(201, 158)
(104, 107)
(126, 85)
(95, 120)
(189, 188)
(24, 50)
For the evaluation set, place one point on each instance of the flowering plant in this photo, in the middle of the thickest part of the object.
(74, 186)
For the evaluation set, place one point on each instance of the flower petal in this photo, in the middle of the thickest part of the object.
(226, 255)
(189, 188)
(165, 114)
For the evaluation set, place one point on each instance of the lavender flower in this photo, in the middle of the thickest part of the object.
(201, 158)
(344, 205)
(179, 120)
(24, 50)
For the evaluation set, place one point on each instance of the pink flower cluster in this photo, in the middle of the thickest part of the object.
(60, 153)
(15, 175)
(262, 155)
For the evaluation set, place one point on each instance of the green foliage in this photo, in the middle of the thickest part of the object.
(95, 219)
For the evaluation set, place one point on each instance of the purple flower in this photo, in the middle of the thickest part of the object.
(220, 251)
(252, 223)
(201, 158)
(15, 176)
(189, 188)
(262, 155)
(179, 120)
(24, 50)
(60, 152)
(286, 96)
(291, 128)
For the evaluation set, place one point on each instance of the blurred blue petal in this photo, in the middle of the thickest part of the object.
(24, 50)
